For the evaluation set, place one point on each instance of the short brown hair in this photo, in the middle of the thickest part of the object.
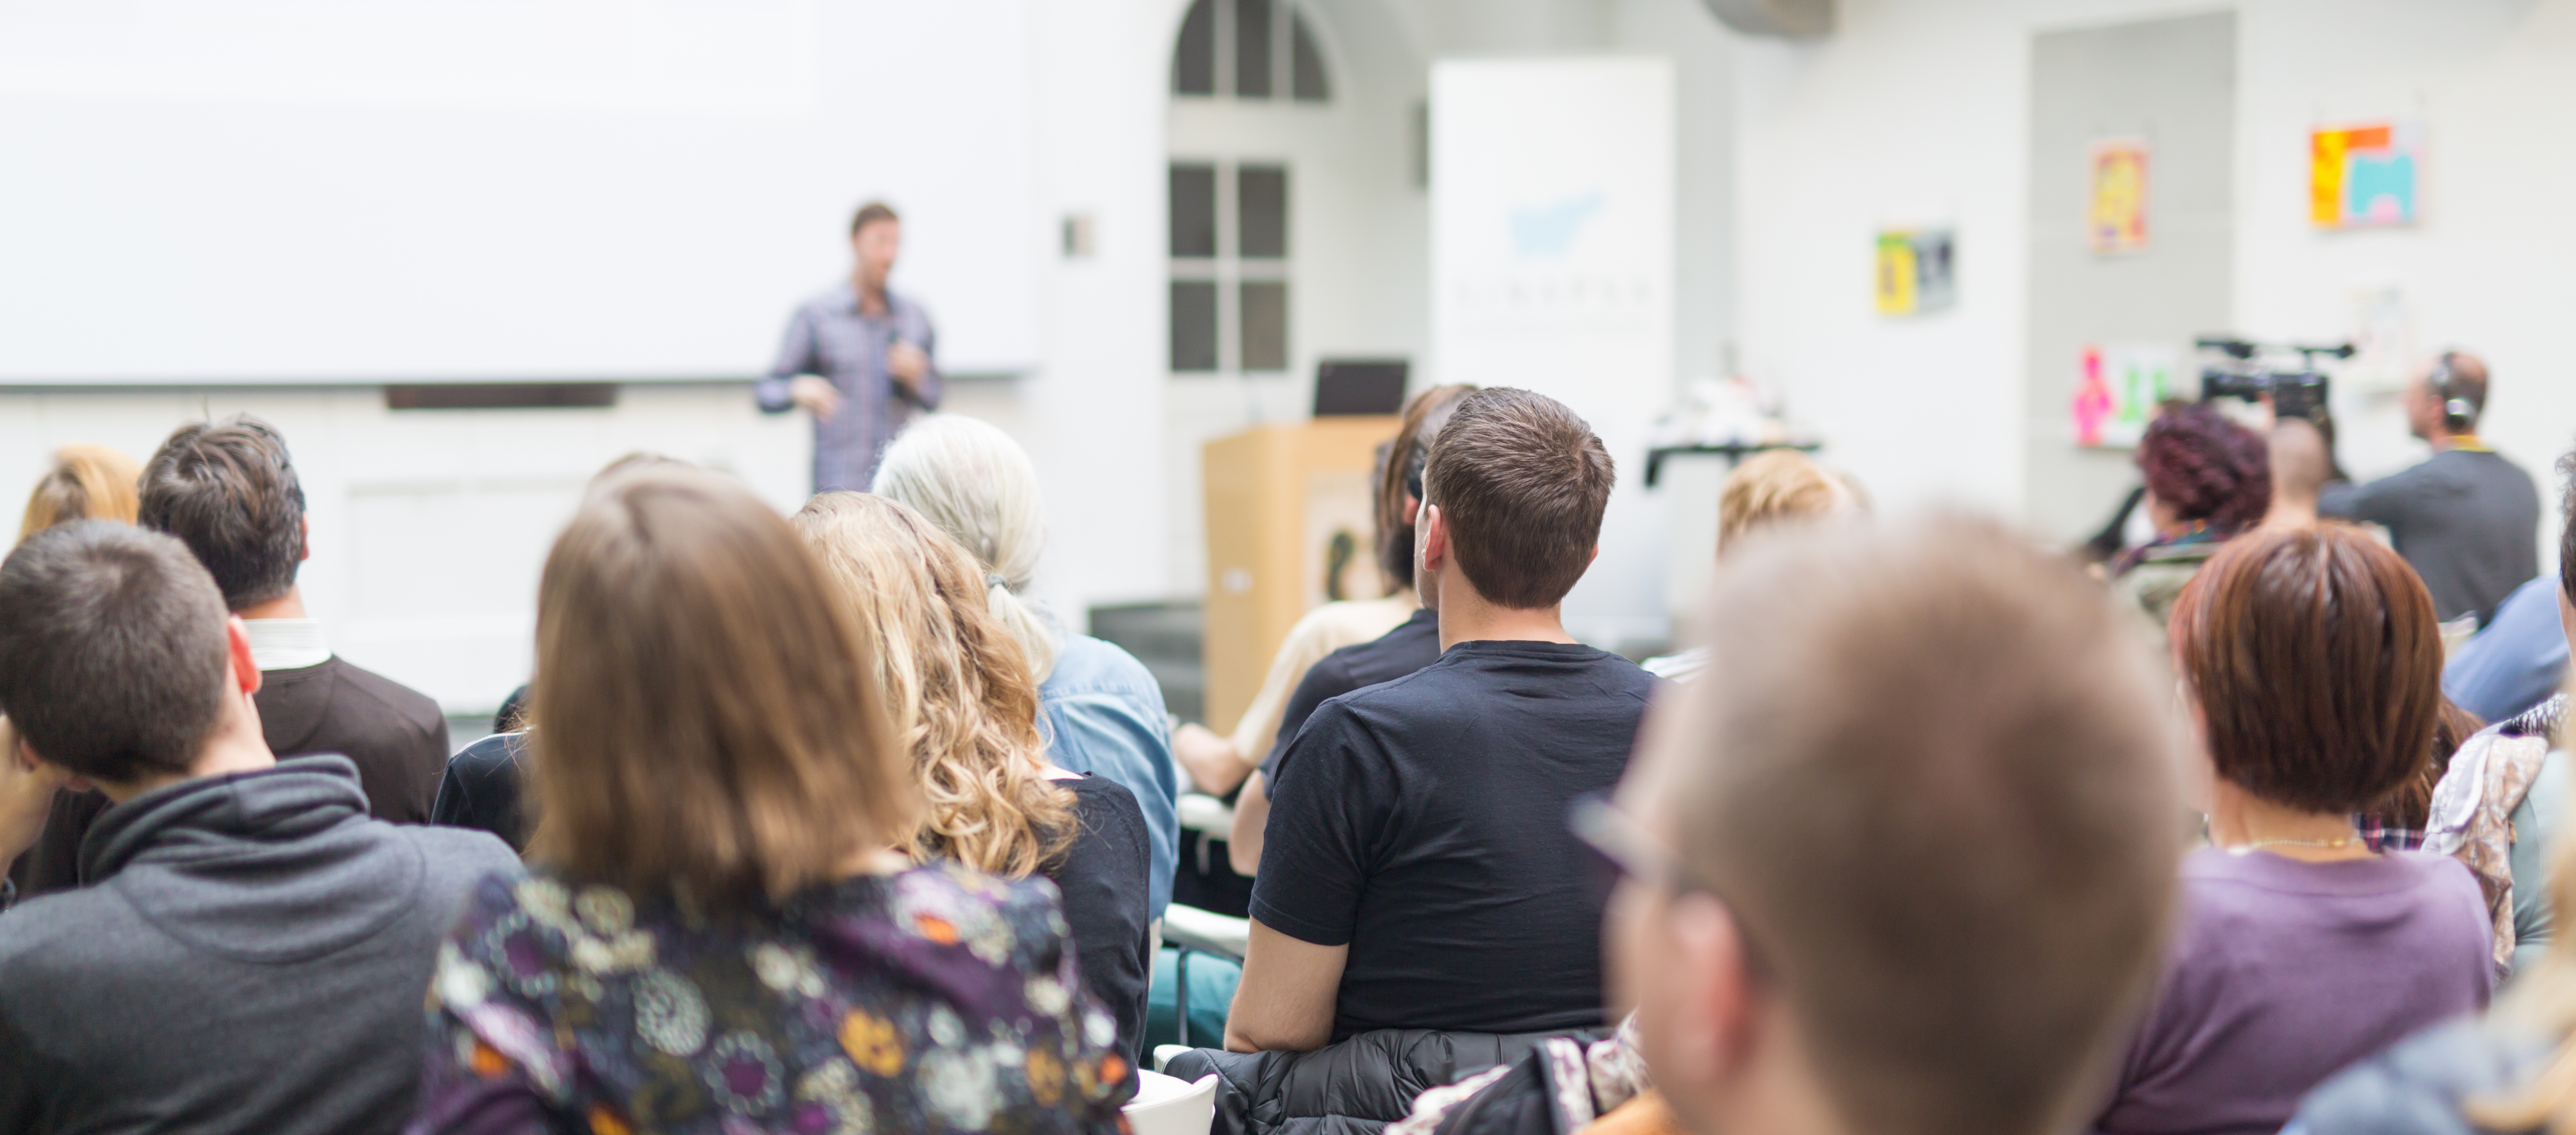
(229, 492)
(703, 716)
(871, 213)
(2318, 663)
(1399, 475)
(1774, 487)
(1521, 483)
(87, 482)
(1933, 774)
(113, 654)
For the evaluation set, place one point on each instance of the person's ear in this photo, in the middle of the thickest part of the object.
(1435, 538)
(1595, 557)
(1721, 1001)
(304, 539)
(30, 761)
(1412, 508)
(246, 677)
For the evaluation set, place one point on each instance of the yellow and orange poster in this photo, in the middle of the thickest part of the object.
(2364, 176)
(2116, 221)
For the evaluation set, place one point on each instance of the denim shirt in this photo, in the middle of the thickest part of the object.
(1102, 713)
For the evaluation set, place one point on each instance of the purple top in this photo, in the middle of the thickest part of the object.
(2283, 972)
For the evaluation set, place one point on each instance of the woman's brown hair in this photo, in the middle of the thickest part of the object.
(704, 719)
(2318, 665)
(2411, 804)
(87, 482)
(1400, 476)
(954, 681)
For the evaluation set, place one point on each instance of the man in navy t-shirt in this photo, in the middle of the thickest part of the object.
(1417, 871)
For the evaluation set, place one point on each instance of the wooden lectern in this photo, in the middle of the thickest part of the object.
(1279, 500)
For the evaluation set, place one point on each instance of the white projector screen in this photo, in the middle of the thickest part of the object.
(488, 190)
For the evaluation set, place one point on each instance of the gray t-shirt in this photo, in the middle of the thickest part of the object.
(2466, 519)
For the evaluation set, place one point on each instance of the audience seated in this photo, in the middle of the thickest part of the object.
(1767, 492)
(2207, 480)
(2313, 662)
(251, 950)
(1862, 887)
(87, 482)
(229, 491)
(2506, 792)
(2518, 661)
(1219, 763)
(2505, 1073)
(1404, 648)
(1101, 709)
(718, 935)
(957, 686)
(1418, 874)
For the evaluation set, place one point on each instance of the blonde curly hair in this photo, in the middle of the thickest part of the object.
(956, 682)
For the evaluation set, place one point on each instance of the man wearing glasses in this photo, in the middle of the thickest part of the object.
(1904, 856)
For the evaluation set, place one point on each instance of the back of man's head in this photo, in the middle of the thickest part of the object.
(1520, 483)
(2457, 384)
(1930, 772)
(2300, 464)
(113, 654)
(228, 490)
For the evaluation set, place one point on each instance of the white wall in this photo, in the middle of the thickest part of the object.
(429, 526)
(1917, 110)
(2492, 80)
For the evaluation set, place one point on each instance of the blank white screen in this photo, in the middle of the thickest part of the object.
(368, 190)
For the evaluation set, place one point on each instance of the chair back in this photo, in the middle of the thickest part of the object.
(1165, 1105)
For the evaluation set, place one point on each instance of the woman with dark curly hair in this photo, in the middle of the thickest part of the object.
(2207, 480)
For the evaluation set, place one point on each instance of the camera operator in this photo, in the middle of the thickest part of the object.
(2466, 518)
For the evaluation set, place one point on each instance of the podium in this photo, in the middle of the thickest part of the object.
(1291, 517)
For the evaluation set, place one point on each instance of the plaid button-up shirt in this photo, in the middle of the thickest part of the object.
(829, 337)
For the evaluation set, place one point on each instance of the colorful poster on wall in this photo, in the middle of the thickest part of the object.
(2116, 219)
(1917, 272)
(2364, 176)
(2118, 390)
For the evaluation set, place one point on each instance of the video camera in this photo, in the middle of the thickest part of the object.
(2245, 369)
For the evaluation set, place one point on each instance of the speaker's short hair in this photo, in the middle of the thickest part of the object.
(1521, 483)
(1933, 773)
(871, 213)
(113, 653)
(228, 490)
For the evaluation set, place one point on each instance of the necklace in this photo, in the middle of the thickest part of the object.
(2252, 846)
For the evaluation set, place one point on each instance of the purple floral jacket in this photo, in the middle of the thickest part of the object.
(938, 999)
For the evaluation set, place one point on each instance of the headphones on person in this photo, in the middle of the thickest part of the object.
(2459, 414)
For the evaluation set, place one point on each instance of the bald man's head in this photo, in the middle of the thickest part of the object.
(2301, 467)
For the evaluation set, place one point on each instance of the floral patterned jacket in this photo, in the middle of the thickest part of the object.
(938, 999)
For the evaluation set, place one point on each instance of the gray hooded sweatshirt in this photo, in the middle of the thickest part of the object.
(247, 953)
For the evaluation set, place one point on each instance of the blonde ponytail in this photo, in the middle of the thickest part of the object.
(978, 486)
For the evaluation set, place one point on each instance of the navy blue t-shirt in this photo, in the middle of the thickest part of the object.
(1422, 821)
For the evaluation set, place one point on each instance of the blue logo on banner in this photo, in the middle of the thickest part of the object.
(1549, 230)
